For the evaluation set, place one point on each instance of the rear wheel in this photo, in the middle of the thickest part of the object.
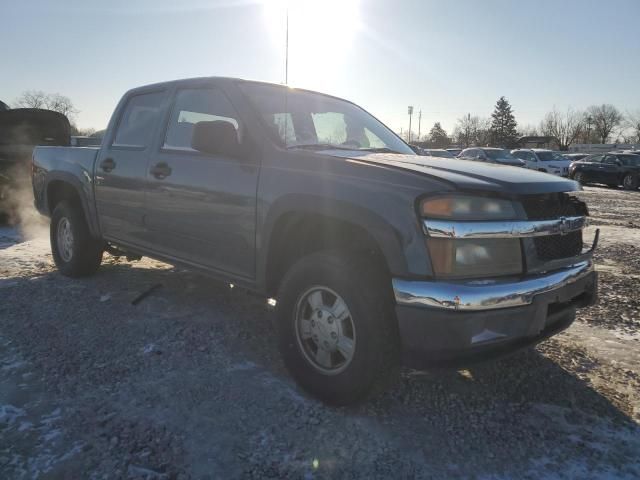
(75, 252)
(336, 327)
(630, 182)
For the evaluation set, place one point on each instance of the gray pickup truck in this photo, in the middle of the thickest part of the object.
(375, 256)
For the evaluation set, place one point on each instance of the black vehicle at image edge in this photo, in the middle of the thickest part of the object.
(612, 169)
(375, 255)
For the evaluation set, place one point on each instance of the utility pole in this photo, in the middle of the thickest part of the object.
(410, 115)
(419, 122)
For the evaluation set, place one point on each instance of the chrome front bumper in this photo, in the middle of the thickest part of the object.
(476, 295)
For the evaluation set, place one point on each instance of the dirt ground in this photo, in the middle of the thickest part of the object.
(188, 383)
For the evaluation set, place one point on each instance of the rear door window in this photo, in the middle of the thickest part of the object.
(139, 120)
(193, 106)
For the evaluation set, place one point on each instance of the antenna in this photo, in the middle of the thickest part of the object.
(286, 51)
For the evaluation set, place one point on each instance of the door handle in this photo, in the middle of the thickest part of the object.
(108, 164)
(160, 170)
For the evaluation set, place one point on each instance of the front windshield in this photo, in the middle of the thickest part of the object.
(550, 156)
(301, 119)
(499, 155)
(630, 160)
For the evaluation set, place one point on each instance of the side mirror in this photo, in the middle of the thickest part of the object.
(217, 138)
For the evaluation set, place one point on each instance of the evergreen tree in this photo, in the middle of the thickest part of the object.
(503, 125)
(438, 137)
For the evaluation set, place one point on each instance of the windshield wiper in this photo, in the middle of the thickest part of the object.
(320, 146)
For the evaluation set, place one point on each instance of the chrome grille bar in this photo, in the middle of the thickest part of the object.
(503, 229)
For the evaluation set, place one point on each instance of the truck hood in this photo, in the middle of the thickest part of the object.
(467, 174)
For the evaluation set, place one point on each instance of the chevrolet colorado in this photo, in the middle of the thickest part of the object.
(375, 256)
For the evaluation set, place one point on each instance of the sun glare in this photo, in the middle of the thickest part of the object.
(321, 34)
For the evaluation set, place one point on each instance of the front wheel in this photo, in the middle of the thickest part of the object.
(75, 252)
(579, 177)
(630, 182)
(336, 327)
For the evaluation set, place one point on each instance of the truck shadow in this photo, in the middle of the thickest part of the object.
(495, 418)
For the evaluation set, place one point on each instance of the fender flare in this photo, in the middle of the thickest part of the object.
(82, 190)
(387, 237)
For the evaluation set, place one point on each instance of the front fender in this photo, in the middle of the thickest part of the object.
(399, 239)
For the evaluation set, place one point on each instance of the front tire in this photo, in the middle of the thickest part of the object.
(630, 182)
(75, 252)
(579, 177)
(336, 327)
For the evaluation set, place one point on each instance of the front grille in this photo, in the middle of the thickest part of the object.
(555, 247)
(549, 207)
(552, 206)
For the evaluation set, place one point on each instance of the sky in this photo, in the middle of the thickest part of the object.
(445, 58)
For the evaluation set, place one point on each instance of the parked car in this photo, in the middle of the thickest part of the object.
(543, 160)
(437, 152)
(574, 157)
(491, 155)
(612, 169)
(373, 254)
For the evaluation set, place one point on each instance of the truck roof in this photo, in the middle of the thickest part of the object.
(201, 80)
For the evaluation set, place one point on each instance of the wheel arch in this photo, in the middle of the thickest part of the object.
(293, 233)
(61, 186)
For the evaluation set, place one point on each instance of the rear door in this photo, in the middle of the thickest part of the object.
(121, 167)
(201, 208)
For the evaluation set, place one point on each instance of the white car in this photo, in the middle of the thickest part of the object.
(543, 160)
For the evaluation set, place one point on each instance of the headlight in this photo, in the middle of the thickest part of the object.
(472, 258)
(475, 258)
(468, 208)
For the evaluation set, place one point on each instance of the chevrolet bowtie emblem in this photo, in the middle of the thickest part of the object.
(565, 226)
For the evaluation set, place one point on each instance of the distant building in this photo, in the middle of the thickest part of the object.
(538, 142)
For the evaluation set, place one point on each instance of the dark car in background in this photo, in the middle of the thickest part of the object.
(574, 157)
(491, 155)
(437, 152)
(21, 129)
(612, 169)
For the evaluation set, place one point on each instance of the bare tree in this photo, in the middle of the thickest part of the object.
(632, 126)
(472, 130)
(565, 127)
(529, 130)
(31, 99)
(51, 101)
(605, 119)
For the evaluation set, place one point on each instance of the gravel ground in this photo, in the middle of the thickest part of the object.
(188, 383)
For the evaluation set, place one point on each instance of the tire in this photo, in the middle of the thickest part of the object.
(630, 182)
(368, 322)
(75, 252)
(580, 178)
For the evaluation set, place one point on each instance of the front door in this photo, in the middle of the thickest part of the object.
(121, 168)
(591, 169)
(610, 170)
(201, 208)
